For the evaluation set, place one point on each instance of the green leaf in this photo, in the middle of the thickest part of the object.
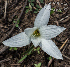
(14, 21)
(50, 58)
(29, 0)
(27, 6)
(59, 11)
(34, 49)
(38, 52)
(37, 6)
(17, 25)
(32, 4)
(38, 65)
(22, 58)
(15, 48)
(32, 0)
(27, 10)
(41, 1)
(35, 65)
(38, 48)
(30, 9)
(37, 9)
(52, 11)
(11, 48)
(18, 21)
(35, 12)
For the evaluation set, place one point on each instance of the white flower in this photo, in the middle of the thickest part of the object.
(40, 34)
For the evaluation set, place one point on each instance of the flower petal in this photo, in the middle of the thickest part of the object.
(36, 41)
(50, 48)
(50, 31)
(29, 31)
(43, 16)
(18, 40)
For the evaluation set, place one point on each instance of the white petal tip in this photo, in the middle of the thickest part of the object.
(50, 3)
(43, 16)
(5, 43)
(18, 40)
(47, 6)
(62, 29)
(60, 58)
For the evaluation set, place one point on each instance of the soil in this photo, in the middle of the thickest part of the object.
(10, 58)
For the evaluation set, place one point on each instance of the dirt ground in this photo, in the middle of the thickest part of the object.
(10, 58)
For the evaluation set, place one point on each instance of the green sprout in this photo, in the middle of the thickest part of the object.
(38, 65)
(14, 48)
(49, 58)
(52, 10)
(59, 10)
(37, 49)
(17, 24)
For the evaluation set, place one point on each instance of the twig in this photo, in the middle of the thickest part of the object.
(39, 3)
(14, 64)
(3, 49)
(49, 63)
(66, 57)
(63, 44)
(57, 23)
(63, 18)
(4, 60)
(64, 48)
(66, 20)
(5, 9)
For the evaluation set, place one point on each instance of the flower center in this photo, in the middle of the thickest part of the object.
(36, 33)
